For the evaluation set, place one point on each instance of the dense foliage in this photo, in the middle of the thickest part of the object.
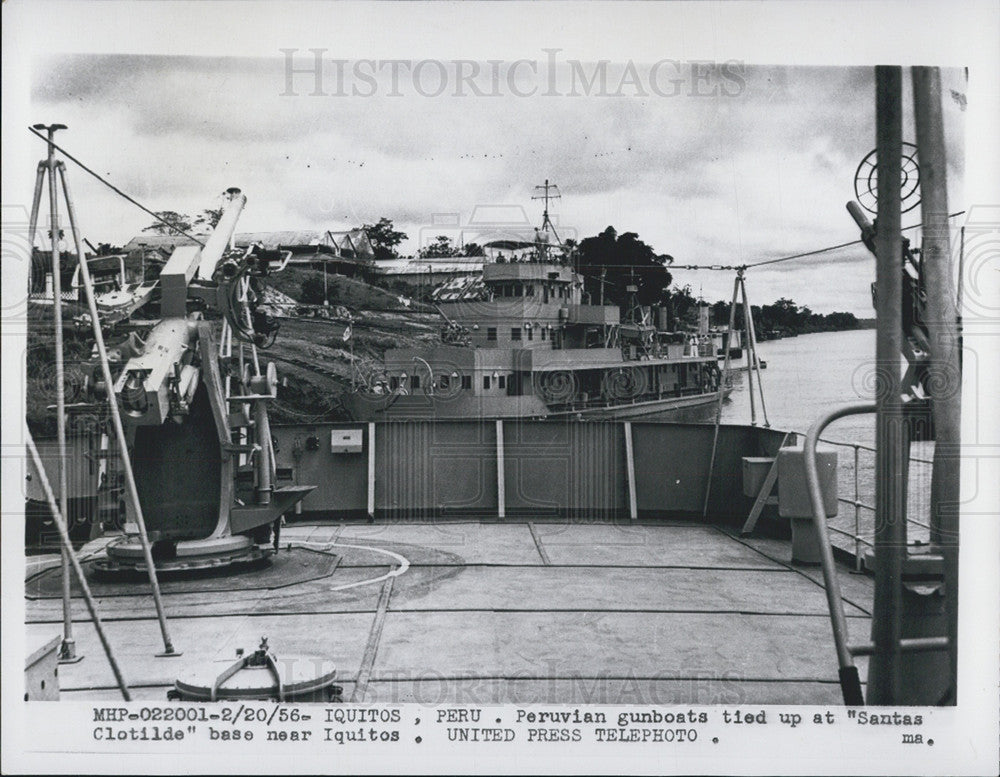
(616, 261)
(384, 238)
(785, 317)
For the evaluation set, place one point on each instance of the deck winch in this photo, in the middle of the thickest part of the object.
(195, 409)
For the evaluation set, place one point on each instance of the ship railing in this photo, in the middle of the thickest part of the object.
(850, 682)
(601, 401)
(860, 541)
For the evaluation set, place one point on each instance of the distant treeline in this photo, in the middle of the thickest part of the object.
(619, 268)
(784, 317)
(780, 318)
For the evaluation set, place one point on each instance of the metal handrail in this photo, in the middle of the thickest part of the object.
(850, 682)
(859, 505)
(863, 447)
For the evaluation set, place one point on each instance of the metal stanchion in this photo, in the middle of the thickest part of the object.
(168, 648)
(722, 390)
(755, 364)
(747, 344)
(857, 512)
(67, 649)
(75, 563)
(884, 682)
(942, 322)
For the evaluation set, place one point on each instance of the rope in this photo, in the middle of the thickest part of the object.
(114, 188)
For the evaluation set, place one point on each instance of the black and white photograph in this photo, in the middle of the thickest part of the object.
(500, 387)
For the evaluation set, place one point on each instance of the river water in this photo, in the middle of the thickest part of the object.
(808, 376)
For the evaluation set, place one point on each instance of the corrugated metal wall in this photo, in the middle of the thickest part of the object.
(564, 468)
(426, 469)
(440, 468)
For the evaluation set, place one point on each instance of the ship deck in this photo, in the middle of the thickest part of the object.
(488, 612)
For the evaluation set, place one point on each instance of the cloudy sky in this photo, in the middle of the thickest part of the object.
(728, 164)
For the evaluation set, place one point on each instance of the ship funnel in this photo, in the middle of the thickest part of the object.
(703, 311)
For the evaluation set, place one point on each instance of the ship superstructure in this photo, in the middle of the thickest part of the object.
(530, 345)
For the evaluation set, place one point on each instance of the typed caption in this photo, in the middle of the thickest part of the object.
(362, 736)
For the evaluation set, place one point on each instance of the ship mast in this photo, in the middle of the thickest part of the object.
(546, 221)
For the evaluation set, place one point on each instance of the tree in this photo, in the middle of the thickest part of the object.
(783, 314)
(840, 321)
(384, 238)
(620, 261)
(720, 313)
(209, 218)
(682, 307)
(441, 247)
(178, 223)
(472, 249)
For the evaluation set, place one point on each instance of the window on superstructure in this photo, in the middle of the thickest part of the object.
(415, 382)
(467, 382)
(502, 382)
(491, 334)
(531, 333)
(486, 382)
(515, 333)
(543, 332)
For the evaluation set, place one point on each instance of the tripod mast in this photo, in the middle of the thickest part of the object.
(546, 196)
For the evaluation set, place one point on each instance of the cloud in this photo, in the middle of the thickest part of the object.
(724, 179)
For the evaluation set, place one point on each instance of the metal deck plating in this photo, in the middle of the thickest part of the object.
(537, 612)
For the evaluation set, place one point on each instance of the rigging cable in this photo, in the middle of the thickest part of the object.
(832, 248)
(114, 188)
(734, 267)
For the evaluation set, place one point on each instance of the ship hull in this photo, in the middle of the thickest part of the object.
(654, 409)
(423, 406)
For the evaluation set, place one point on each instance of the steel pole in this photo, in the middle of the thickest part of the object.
(67, 651)
(941, 318)
(749, 350)
(133, 492)
(36, 202)
(722, 391)
(81, 578)
(890, 496)
(756, 359)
